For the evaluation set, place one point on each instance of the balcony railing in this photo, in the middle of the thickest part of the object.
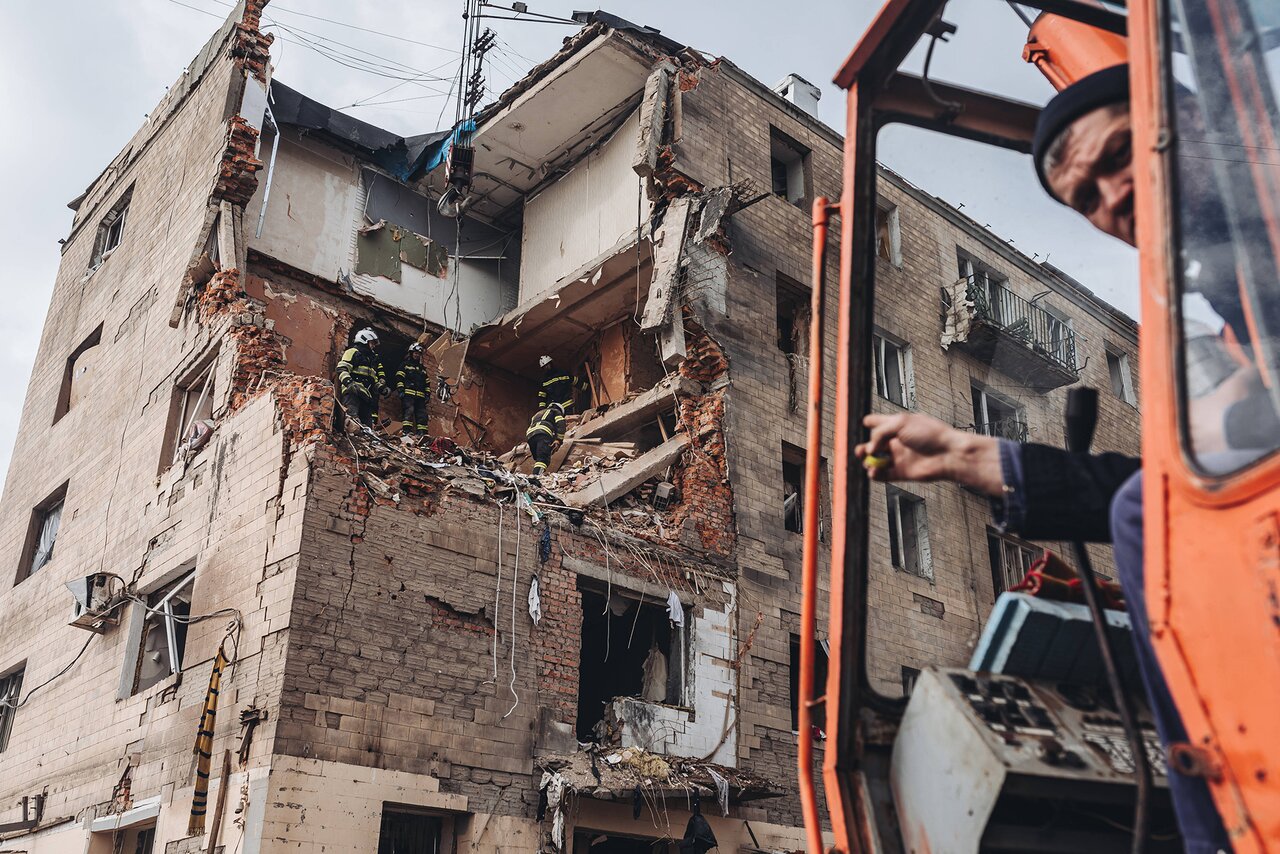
(1004, 428)
(1036, 328)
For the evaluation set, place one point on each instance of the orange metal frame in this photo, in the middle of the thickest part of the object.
(1213, 548)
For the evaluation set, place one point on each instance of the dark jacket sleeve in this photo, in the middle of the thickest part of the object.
(1068, 496)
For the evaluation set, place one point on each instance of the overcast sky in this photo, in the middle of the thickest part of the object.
(77, 77)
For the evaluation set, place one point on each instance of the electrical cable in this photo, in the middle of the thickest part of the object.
(497, 593)
(6, 704)
(515, 573)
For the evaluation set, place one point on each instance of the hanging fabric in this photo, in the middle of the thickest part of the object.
(48, 535)
(535, 600)
(722, 790)
(675, 611)
(655, 675)
(544, 543)
(204, 747)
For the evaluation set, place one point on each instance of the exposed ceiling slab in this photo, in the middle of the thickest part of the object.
(551, 124)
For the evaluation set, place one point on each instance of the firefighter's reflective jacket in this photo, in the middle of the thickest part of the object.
(547, 422)
(361, 371)
(557, 387)
(411, 380)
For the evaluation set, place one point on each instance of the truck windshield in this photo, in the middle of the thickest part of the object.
(1224, 66)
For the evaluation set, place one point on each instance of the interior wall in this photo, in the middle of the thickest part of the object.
(580, 216)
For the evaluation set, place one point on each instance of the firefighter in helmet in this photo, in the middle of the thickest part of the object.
(558, 386)
(546, 430)
(361, 379)
(414, 390)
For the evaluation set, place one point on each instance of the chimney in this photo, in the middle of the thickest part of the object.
(800, 92)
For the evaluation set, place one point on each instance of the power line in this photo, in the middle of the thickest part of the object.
(276, 8)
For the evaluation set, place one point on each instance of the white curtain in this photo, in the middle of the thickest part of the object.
(48, 534)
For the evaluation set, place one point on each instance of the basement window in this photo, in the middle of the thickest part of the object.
(891, 360)
(408, 831)
(1011, 559)
(788, 167)
(159, 634)
(111, 230)
(42, 533)
(10, 693)
(190, 414)
(820, 665)
(599, 842)
(75, 379)
(909, 533)
(630, 648)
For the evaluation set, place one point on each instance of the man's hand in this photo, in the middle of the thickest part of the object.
(919, 448)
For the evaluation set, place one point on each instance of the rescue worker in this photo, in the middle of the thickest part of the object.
(546, 430)
(414, 389)
(558, 386)
(361, 379)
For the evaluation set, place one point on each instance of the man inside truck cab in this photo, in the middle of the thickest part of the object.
(1083, 157)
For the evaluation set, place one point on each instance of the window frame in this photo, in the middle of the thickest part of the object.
(981, 392)
(1126, 392)
(880, 341)
(144, 614)
(39, 513)
(795, 158)
(180, 408)
(111, 229)
(1000, 579)
(11, 693)
(895, 499)
(976, 272)
(444, 831)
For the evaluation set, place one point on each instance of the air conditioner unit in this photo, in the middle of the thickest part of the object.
(93, 609)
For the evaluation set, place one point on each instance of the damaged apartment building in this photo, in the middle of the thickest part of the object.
(233, 627)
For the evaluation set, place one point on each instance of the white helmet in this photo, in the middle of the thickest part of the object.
(415, 347)
(366, 336)
(556, 405)
(543, 361)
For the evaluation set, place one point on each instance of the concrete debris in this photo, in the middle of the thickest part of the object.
(607, 773)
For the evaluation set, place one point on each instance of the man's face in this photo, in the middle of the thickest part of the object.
(1095, 173)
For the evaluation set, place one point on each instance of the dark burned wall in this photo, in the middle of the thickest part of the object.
(391, 649)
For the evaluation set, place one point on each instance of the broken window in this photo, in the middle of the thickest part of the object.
(1121, 377)
(42, 533)
(793, 488)
(10, 695)
(995, 415)
(822, 651)
(111, 230)
(793, 315)
(789, 167)
(162, 633)
(1061, 338)
(406, 831)
(988, 290)
(909, 677)
(909, 533)
(146, 841)
(190, 414)
(630, 648)
(888, 238)
(1011, 559)
(75, 374)
(891, 360)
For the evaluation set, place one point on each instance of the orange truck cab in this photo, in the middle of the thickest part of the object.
(1205, 108)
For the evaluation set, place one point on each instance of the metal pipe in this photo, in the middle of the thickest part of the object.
(271, 170)
(822, 211)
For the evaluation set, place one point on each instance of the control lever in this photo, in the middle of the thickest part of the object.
(1080, 421)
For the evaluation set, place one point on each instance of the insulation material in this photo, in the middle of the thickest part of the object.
(378, 251)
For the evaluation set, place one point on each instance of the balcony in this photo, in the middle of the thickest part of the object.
(1011, 334)
(1013, 429)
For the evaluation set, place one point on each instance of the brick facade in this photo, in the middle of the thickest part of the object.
(382, 606)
